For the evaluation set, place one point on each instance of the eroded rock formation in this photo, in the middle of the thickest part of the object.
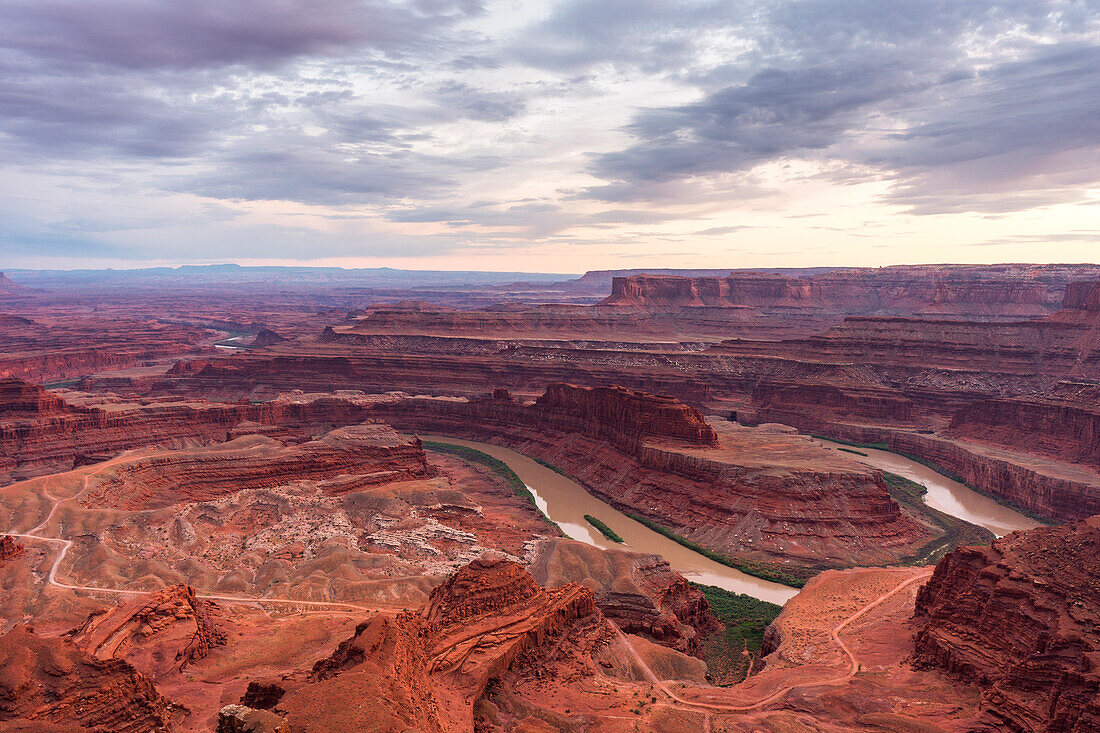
(344, 460)
(146, 630)
(50, 681)
(640, 593)
(982, 291)
(9, 549)
(756, 493)
(1020, 619)
(426, 669)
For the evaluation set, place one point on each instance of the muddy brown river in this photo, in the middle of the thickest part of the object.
(949, 496)
(566, 502)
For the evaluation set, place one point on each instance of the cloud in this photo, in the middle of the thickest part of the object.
(188, 34)
(510, 124)
(900, 94)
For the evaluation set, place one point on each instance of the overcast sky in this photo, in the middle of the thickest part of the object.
(548, 135)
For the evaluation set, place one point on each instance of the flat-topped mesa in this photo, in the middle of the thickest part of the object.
(23, 399)
(1020, 619)
(1082, 296)
(982, 291)
(625, 416)
(755, 494)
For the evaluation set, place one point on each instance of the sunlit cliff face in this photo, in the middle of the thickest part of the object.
(552, 135)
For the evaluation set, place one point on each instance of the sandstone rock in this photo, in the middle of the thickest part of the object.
(1004, 291)
(757, 494)
(266, 337)
(640, 593)
(9, 550)
(1020, 618)
(151, 632)
(344, 460)
(50, 680)
(242, 719)
(625, 416)
(425, 670)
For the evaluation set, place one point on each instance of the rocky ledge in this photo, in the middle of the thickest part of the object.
(1020, 619)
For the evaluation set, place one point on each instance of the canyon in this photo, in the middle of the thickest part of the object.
(228, 501)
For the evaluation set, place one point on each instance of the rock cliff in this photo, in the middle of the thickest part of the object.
(50, 681)
(427, 669)
(756, 494)
(171, 627)
(625, 417)
(640, 593)
(985, 292)
(1020, 619)
(1066, 430)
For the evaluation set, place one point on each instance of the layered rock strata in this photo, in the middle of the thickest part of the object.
(640, 593)
(1020, 619)
(428, 668)
(996, 292)
(40, 431)
(760, 494)
(51, 682)
(344, 460)
(139, 630)
(9, 550)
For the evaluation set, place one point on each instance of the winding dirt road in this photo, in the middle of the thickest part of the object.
(34, 534)
(835, 634)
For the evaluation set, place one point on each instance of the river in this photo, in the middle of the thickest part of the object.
(949, 496)
(566, 502)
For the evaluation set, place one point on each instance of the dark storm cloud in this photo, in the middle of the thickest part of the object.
(147, 34)
(982, 111)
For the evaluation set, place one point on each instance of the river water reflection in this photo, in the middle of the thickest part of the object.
(950, 496)
(566, 502)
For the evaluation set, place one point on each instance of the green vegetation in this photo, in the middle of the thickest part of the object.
(946, 474)
(497, 466)
(794, 577)
(956, 532)
(745, 618)
(61, 383)
(853, 450)
(876, 446)
(604, 529)
(552, 467)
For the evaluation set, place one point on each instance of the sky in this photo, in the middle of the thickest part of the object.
(557, 135)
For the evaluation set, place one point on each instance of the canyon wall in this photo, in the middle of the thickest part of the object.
(1056, 491)
(1019, 618)
(1068, 431)
(760, 495)
(995, 292)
